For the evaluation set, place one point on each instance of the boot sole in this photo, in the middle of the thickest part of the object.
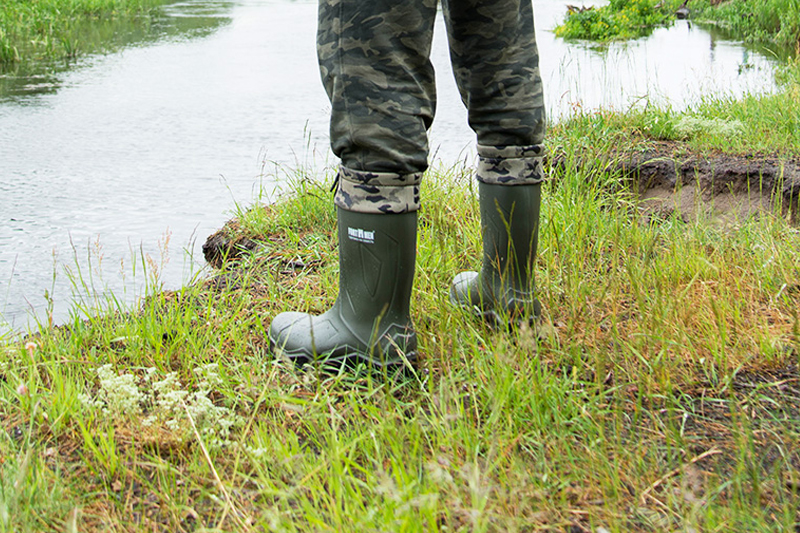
(347, 358)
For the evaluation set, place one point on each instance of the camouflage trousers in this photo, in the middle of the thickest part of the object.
(374, 58)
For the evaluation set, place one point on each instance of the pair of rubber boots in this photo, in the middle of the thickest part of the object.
(370, 321)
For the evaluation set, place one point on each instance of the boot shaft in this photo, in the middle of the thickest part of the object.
(370, 320)
(377, 255)
(510, 228)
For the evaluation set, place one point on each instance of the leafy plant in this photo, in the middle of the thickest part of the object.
(619, 19)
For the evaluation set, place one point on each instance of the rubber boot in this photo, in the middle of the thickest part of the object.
(504, 288)
(370, 320)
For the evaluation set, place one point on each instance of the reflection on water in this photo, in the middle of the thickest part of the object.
(105, 161)
(175, 20)
(676, 66)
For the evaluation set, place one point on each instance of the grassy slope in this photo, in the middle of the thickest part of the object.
(754, 125)
(664, 395)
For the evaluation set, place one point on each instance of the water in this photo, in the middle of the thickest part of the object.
(123, 163)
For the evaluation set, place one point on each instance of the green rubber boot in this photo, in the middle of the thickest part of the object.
(504, 287)
(370, 320)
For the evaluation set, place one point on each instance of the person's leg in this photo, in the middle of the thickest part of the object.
(496, 65)
(374, 62)
(375, 66)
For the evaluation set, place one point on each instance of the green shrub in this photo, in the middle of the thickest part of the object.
(620, 19)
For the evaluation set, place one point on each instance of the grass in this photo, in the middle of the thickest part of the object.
(775, 22)
(57, 28)
(662, 396)
(767, 21)
(617, 20)
(752, 125)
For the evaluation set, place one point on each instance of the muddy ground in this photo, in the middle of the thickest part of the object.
(725, 188)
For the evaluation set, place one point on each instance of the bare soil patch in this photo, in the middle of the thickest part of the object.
(724, 188)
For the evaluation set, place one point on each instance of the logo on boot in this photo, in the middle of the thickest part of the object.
(359, 235)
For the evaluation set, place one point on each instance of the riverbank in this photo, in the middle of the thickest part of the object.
(776, 22)
(769, 22)
(54, 29)
(660, 393)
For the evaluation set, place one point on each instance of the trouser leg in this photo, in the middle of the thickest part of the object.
(374, 63)
(496, 64)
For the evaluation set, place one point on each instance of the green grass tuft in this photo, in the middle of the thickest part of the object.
(55, 28)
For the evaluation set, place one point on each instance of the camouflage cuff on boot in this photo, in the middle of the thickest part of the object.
(377, 192)
(510, 165)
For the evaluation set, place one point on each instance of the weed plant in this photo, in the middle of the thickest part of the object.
(619, 19)
(53, 28)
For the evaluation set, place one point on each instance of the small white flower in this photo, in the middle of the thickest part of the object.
(119, 393)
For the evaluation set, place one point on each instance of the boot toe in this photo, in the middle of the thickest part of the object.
(302, 337)
(284, 322)
(286, 333)
(494, 304)
(463, 288)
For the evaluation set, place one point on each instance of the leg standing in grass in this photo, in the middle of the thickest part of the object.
(496, 64)
(374, 60)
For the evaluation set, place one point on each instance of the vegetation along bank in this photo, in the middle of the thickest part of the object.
(661, 392)
(771, 22)
(56, 29)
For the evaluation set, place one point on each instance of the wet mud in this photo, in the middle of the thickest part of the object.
(725, 189)
(227, 243)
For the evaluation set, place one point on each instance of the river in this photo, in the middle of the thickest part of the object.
(117, 167)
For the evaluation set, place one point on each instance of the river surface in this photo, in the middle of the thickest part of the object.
(117, 168)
